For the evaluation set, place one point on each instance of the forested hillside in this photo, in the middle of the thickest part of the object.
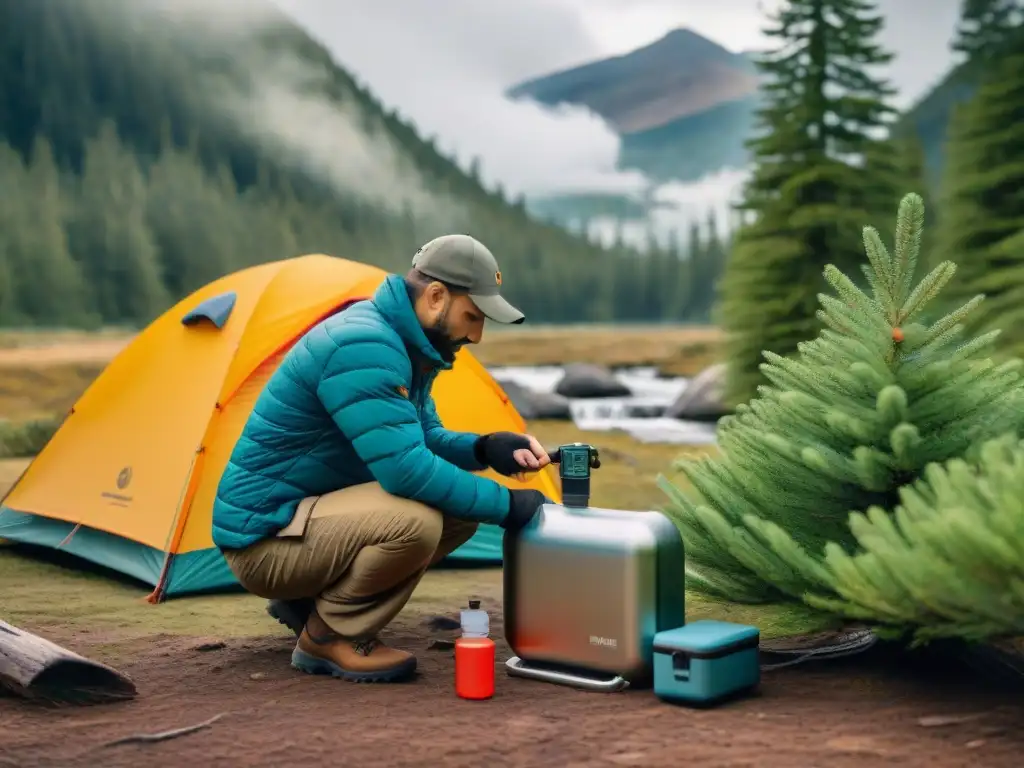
(145, 153)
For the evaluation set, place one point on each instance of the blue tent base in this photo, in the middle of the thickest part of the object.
(192, 573)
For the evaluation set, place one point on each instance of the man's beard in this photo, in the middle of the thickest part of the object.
(441, 340)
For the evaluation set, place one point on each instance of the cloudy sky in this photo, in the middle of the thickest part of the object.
(444, 65)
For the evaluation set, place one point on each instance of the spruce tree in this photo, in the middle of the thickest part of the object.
(810, 191)
(982, 221)
(913, 172)
(8, 303)
(680, 288)
(190, 222)
(109, 237)
(950, 561)
(987, 30)
(696, 253)
(712, 265)
(54, 291)
(45, 283)
(858, 413)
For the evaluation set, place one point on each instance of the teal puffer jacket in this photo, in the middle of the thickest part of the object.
(349, 404)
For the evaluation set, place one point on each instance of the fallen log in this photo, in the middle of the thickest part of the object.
(35, 668)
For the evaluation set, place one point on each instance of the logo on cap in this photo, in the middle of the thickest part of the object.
(497, 277)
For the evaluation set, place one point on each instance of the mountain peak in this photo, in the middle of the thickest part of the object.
(681, 35)
(678, 46)
(680, 73)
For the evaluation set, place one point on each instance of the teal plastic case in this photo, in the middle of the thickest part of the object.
(706, 661)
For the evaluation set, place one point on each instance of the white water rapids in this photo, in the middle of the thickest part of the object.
(632, 415)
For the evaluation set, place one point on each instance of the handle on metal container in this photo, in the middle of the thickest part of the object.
(518, 668)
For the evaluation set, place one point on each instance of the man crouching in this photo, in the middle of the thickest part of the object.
(344, 487)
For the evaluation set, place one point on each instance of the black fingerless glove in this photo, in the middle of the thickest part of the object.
(495, 450)
(523, 504)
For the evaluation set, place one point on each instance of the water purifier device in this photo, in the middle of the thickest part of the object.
(587, 589)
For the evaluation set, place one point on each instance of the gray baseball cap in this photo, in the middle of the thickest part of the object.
(464, 261)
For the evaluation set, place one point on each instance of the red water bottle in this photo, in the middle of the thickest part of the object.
(474, 655)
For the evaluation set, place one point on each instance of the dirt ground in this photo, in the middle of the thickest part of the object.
(849, 713)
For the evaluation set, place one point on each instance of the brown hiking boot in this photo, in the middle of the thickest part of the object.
(321, 651)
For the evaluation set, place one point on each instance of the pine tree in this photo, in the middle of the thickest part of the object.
(696, 251)
(858, 413)
(45, 283)
(54, 293)
(810, 191)
(679, 287)
(109, 237)
(14, 266)
(982, 219)
(987, 30)
(899, 162)
(8, 305)
(712, 264)
(947, 563)
(190, 221)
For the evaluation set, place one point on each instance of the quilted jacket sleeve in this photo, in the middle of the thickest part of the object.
(361, 388)
(456, 447)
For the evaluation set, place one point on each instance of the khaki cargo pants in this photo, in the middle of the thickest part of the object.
(360, 552)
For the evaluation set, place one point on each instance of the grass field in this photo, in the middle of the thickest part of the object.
(678, 350)
(43, 373)
(675, 350)
(50, 591)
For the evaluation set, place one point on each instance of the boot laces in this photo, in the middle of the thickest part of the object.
(365, 647)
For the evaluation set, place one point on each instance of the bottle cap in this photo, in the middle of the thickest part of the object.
(474, 605)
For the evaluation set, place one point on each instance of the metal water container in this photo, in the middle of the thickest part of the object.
(586, 589)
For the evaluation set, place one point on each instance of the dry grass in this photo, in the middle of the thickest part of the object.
(41, 593)
(675, 350)
(626, 479)
(44, 373)
(10, 470)
(36, 391)
(35, 349)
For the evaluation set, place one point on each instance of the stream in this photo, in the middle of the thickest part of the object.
(637, 415)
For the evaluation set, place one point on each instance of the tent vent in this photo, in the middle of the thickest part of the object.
(216, 309)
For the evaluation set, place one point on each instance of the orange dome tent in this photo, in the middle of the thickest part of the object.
(129, 478)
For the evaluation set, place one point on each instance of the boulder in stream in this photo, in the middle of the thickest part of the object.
(532, 404)
(702, 398)
(585, 380)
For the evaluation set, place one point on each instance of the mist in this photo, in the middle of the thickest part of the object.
(522, 147)
(283, 105)
(452, 78)
(470, 60)
(444, 67)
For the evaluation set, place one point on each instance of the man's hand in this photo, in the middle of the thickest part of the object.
(523, 504)
(533, 458)
(509, 453)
